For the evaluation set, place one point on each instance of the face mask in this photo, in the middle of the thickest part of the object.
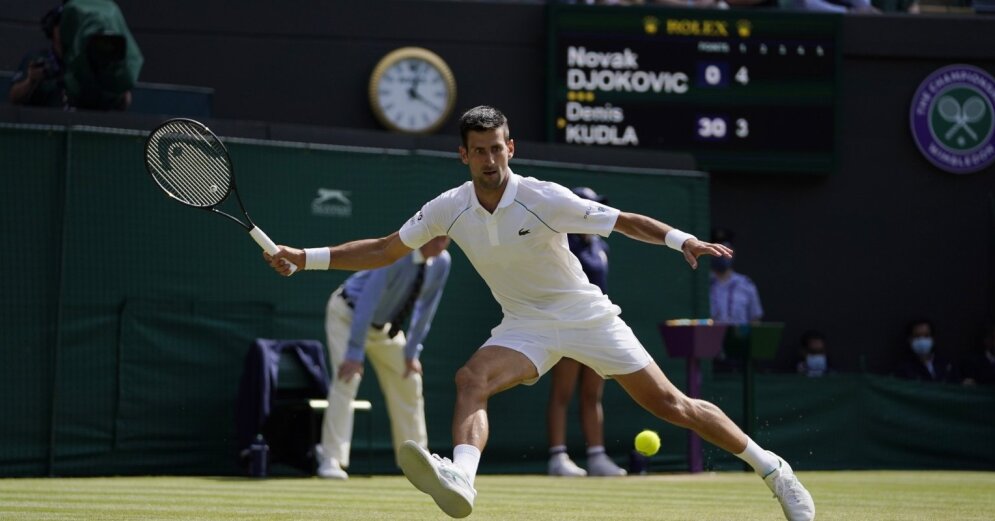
(815, 363)
(922, 345)
(721, 264)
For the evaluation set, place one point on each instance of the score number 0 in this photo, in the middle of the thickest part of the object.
(716, 127)
(713, 75)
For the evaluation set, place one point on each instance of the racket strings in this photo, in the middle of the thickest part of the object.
(190, 164)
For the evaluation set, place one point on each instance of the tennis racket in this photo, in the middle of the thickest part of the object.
(192, 166)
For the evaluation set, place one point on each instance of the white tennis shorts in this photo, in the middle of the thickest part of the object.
(609, 347)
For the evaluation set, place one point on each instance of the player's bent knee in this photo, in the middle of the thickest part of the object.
(469, 382)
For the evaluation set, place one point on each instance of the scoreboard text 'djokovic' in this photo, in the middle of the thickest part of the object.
(739, 90)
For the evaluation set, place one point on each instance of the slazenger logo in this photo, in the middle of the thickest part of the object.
(331, 203)
(953, 118)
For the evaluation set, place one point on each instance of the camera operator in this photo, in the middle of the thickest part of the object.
(92, 62)
(39, 79)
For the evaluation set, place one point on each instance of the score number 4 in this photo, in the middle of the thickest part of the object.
(716, 128)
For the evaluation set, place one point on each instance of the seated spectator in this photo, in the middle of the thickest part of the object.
(979, 368)
(832, 6)
(897, 6)
(922, 362)
(39, 79)
(813, 360)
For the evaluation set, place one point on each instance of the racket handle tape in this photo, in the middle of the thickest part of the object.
(267, 244)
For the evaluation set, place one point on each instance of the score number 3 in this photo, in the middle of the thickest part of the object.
(715, 128)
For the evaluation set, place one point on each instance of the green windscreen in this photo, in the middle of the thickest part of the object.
(127, 318)
(130, 316)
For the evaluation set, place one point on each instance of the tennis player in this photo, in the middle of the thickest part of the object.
(514, 230)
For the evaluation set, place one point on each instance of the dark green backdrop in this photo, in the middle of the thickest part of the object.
(127, 317)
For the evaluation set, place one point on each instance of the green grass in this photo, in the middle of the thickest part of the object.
(864, 496)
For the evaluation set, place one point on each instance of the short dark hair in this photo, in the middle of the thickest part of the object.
(481, 118)
(810, 335)
(918, 322)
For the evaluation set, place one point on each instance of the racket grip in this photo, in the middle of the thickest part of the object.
(267, 244)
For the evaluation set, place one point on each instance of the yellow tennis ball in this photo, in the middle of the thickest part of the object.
(647, 442)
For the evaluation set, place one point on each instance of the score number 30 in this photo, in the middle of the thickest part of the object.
(717, 128)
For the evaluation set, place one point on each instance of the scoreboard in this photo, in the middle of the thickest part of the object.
(742, 91)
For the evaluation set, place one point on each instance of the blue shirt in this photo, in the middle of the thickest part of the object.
(592, 252)
(378, 295)
(735, 300)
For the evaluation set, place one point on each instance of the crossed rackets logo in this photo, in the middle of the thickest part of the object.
(963, 121)
(953, 120)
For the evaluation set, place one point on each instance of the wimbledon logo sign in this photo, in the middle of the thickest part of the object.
(952, 119)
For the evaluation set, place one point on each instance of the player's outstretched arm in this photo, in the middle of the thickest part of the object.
(363, 254)
(648, 229)
(693, 248)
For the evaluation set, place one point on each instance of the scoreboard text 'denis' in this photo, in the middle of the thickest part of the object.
(740, 90)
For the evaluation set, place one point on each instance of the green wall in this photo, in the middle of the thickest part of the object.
(127, 316)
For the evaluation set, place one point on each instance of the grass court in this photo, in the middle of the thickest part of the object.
(857, 496)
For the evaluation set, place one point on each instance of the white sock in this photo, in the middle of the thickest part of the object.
(467, 457)
(595, 450)
(763, 462)
(557, 449)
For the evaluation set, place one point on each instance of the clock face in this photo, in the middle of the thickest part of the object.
(412, 90)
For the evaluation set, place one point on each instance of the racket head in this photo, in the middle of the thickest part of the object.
(949, 108)
(974, 109)
(189, 163)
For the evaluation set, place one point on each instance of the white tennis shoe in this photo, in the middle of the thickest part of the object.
(561, 465)
(795, 501)
(438, 477)
(330, 469)
(601, 465)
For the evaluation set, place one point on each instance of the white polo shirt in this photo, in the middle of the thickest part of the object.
(521, 249)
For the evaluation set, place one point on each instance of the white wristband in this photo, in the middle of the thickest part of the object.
(317, 258)
(675, 239)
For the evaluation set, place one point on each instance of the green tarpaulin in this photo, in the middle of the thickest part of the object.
(102, 58)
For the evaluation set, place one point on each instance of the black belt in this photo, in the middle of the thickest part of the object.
(352, 305)
(345, 297)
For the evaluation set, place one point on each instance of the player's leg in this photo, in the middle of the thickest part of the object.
(403, 395)
(592, 418)
(654, 391)
(489, 371)
(336, 427)
(564, 380)
(613, 350)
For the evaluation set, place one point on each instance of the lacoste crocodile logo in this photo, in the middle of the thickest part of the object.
(523, 231)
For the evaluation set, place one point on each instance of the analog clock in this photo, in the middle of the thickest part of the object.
(412, 90)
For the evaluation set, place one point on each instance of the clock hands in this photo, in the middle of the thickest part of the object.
(413, 94)
(413, 90)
